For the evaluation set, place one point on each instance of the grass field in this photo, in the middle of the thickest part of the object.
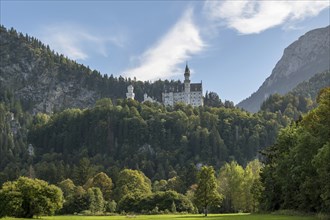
(181, 217)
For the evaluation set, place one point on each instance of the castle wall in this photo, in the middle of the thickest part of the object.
(195, 98)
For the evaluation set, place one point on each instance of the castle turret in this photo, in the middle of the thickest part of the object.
(130, 92)
(187, 85)
(187, 74)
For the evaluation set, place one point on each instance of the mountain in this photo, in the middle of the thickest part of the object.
(307, 56)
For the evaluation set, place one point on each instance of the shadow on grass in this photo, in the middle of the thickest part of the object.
(201, 217)
(222, 216)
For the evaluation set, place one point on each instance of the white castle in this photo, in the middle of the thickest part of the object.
(188, 93)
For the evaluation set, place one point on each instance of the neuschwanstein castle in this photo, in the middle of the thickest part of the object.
(186, 92)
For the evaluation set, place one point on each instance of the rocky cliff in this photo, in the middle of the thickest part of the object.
(307, 56)
(42, 80)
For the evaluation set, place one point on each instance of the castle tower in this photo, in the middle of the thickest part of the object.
(187, 85)
(130, 94)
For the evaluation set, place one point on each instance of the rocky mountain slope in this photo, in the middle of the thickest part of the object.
(42, 80)
(307, 56)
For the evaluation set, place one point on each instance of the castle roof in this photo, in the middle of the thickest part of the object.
(195, 87)
(177, 88)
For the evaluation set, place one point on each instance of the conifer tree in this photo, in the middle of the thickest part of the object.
(206, 193)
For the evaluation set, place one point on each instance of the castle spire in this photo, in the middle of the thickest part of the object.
(187, 85)
(187, 70)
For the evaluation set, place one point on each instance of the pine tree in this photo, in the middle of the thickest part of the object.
(206, 192)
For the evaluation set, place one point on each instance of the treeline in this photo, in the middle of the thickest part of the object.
(133, 192)
(300, 100)
(296, 174)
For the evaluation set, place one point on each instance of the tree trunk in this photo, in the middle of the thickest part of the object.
(205, 211)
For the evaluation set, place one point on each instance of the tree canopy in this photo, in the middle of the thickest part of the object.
(132, 183)
(27, 197)
(295, 175)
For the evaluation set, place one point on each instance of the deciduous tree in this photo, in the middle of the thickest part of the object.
(27, 197)
(132, 182)
(102, 181)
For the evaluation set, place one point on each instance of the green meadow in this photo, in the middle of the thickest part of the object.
(182, 217)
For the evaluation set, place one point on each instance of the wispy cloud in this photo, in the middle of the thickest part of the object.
(161, 61)
(251, 16)
(77, 42)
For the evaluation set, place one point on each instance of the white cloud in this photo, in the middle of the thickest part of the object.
(252, 16)
(76, 42)
(176, 47)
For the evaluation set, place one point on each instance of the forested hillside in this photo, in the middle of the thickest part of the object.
(14, 125)
(158, 141)
(45, 81)
(168, 145)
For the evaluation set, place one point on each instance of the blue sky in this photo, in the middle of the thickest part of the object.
(232, 46)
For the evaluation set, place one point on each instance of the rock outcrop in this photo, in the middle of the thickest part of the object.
(307, 56)
(42, 80)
